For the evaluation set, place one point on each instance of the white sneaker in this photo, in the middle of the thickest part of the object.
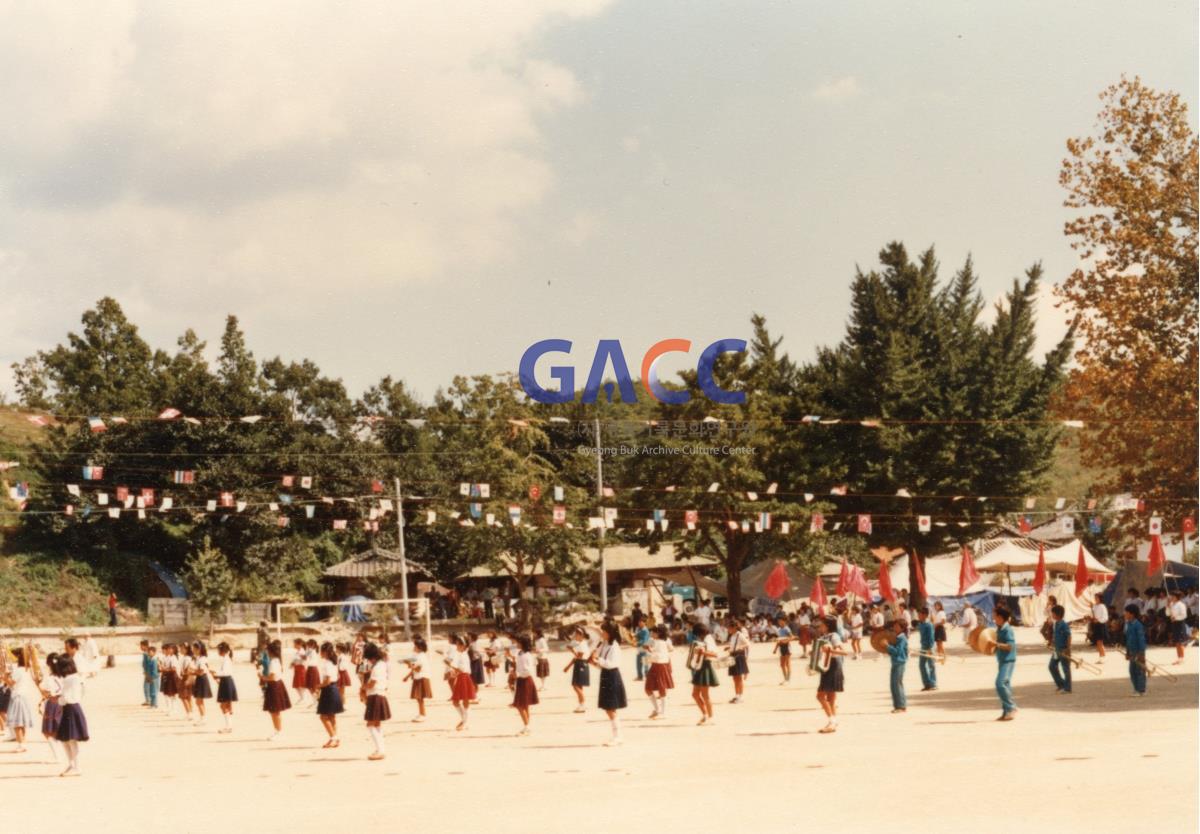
(418, 719)
(615, 741)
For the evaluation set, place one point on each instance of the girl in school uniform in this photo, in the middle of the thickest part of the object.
(939, 628)
(186, 671)
(23, 699)
(275, 696)
(72, 726)
(659, 678)
(299, 671)
(705, 677)
(524, 689)
(345, 667)
(226, 688)
(475, 651)
(5, 698)
(739, 648)
(581, 650)
(374, 694)
(168, 682)
(329, 704)
(490, 650)
(832, 680)
(201, 688)
(462, 685)
(312, 669)
(422, 688)
(541, 650)
(612, 687)
(51, 689)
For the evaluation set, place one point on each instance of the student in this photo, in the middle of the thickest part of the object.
(641, 636)
(145, 647)
(659, 679)
(1099, 626)
(475, 649)
(275, 697)
(969, 621)
(1135, 648)
(541, 648)
(939, 628)
(581, 650)
(226, 688)
(898, 652)
(856, 632)
(23, 699)
(487, 649)
(422, 689)
(151, 674)
(1060, 640)
(329, 702)
(186, 669)
(783, 639)
(802, 628)
(832, 680)
(739, 648)
(201, 688)
(704, 678)
(1177, 612)
(925, 663)
(1006, 660)
(525, 690)
(72, 726)
(299, 671)
(312, 669)
(169, 683)
(374, 694)
(462, 684)
(51, 689)
(345, 666)
(904, 616)
(612, 688)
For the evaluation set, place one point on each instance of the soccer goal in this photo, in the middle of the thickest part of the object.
(418, 610)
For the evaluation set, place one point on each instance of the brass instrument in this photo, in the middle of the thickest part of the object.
(1080, 663)
(1151, 668)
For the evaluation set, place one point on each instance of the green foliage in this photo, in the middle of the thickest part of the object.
(44, 590)
(210, 580)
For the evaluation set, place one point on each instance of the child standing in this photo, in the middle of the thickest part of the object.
(524, 689)
(739, 647)
(898, 652)
(226, 688)
(51, 688)
(612, 688)
(704, 677)
(659, 679)
(832, 680)
(275, 697)
(312, 669)
(72, 726)
(374, 694)
(345, 666)
(783, 640)
(581, 650)
(169, 683)
(462, 684)
(22, 701)
(541, 648)
(201, 688)
(299, 671)
(418, 665)
(329, 704)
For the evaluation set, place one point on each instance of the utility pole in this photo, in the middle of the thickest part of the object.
(403, 559)
(603, 523)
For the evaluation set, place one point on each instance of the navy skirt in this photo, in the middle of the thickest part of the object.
(5, 698)
(581, 675)
(832, 679)
(612, 690)
(740, 667)
(226, 690)
(275, 697)
(51, 717)
(73, 725)
(377, 708)
(477, 671)
(330, 702)
(705, 676)
(939, 633)
(201, 688)
(1179, 633)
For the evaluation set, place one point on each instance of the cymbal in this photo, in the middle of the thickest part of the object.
(986, 642)
(880, 640)
(973, 637)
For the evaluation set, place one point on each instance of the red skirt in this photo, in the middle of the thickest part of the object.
(312, 677)
(805, 635)
(525, 694)
(275, 697)
(659, 678)
(299, 677)
(343, 678)
(169, 683)
(463, 688)
(421, 689)
(377, 708)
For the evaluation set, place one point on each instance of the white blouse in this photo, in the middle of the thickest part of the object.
(610, 656)
(542, 647)
(660, 651)
(201, 665)
(329, 671)
(72, 689)
(460, 662)
(526, 665)
(419, 666)
(312, 658)
(275, 669)
(378, 682)
(225, 669)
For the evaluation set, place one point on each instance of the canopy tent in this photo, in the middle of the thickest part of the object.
(754, 580)
(1134, 575)
(1033, 606)
(1021, 555)
(941, 575)
(694, 578)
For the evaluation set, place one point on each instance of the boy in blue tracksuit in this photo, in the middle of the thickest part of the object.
(898, 651)
(1060, 666)
(1006, 659)
(925, 661)
(150, 675)
(1135, 649)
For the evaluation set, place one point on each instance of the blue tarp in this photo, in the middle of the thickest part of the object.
(1177, 575)
(351, 612)
(982, 601)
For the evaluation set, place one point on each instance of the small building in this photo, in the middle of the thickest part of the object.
(351, 576)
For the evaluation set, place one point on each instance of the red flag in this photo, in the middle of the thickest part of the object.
(1189, 525)
(1081, 572)
(1039, 578)
(967, 575)
(920, 575)
(858, 583)
(885, 583)
(1025, 524)
(843, 583)
(1157, 557)
(778, 581)
(817, 595)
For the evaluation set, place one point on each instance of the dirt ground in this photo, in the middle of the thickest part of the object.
(1095, 761)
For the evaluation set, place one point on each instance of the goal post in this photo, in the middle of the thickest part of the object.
(420, 604)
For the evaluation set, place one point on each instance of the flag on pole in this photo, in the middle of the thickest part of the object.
(920, 574)
(777, 582)
(1081, 573)
(1039, 577)
(817, 595)
(967, 574)
(1155, 525)
(858, 583)
(1157, 557)
(885, 583)
(843, 579)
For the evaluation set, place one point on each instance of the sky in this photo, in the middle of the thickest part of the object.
(424, 189)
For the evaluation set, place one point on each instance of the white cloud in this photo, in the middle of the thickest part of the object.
(838, 89)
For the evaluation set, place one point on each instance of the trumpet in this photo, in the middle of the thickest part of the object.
(940, 658)
(1080, 663)
(1152, 668)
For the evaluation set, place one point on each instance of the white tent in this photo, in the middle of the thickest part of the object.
(1018, 556)
(941, 575)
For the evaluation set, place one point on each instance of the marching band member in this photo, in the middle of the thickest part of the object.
(739, 649)
(659, 679)
(1006, 659)
(783, 638)
(803, 628)
(374, 695)
(1099, 625)
(832, 679)
(1178, 613)
(898, 652)
(525, 690)
(704, 677)
(928, 637)
(1060, 666)
(329, 702)
(226, 688)
(1135, 648)
(612, 688)
(581, 649)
